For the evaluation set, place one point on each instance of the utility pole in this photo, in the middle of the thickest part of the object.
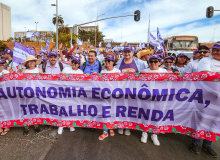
(56, 22)
(36, 32)
(148, 39)
(95, 26)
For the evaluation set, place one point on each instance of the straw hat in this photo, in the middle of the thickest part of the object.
(143, 52)
(31, 58)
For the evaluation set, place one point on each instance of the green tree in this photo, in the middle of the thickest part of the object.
(85, 35)
(10, 39)
(64, 29)
(60, 20)
(64, 38)
(2, 46)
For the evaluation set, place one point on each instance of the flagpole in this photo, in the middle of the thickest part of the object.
(36, 32)
(148, 39)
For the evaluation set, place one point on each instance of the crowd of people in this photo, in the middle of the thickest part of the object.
(141, 61)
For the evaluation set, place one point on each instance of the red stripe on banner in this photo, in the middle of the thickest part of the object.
(199, 134)
(209, 76)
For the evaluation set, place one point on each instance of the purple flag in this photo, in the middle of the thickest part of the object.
(160, 39)
(108, 45)
(21, 52)
(47, 44)
(153, 42)
(42, 49)
(31, 34)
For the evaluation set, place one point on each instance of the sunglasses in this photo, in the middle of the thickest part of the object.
(200, 52)
(74, 62)
(168, 62)
(107, 60)
(1, 65)
(153, 62)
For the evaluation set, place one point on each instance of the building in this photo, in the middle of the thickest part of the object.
(44, 35)
(5, 22)
(86, 28)
(108, 40)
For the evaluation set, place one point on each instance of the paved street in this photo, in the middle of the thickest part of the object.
(84, 144)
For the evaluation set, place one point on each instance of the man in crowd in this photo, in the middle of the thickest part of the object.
(52, 66)
(92, 66)
(203, 51)
(208, 64)
(129, 63)
(11, 67)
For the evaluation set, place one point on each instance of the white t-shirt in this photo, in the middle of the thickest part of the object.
(180, 69)
(115, 70)
(70, 70)
(36, 70)
(160, 70)
(209, 64)
(192, 67)
(4, 71)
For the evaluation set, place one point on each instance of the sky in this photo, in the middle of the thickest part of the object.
(172, 17)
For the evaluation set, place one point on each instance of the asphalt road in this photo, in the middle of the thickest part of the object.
(83, 144)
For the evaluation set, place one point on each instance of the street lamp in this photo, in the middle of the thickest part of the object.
(56, 22)
(97, 24)
(36, 32)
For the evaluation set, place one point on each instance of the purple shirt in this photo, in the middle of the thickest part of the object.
(54, 70)
(130, 66)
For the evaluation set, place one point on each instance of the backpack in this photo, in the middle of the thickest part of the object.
(100, 66)
(45, 63)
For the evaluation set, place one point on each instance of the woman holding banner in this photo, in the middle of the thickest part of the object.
(154, 62)
(71, 70)
(75, 66)
(3, 131)
(31, 67)
(110, 62)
